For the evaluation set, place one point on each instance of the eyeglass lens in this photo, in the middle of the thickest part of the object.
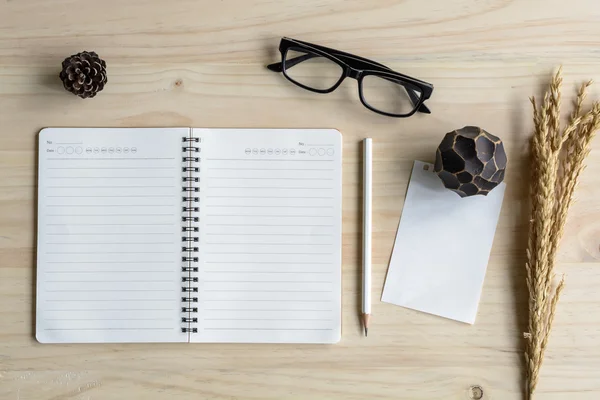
(310, 69)
(390, 95)
(385, 94)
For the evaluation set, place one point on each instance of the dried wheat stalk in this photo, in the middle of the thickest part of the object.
(557, 159)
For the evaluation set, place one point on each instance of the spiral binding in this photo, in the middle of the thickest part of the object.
(190, 230)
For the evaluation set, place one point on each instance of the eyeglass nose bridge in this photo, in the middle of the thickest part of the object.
(353, 73)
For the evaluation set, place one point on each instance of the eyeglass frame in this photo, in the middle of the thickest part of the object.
(353, 67)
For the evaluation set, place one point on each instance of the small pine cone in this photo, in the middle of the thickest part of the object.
(84, 74)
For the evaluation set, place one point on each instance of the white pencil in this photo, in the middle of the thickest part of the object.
(367, 207)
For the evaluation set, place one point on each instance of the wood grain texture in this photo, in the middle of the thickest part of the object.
(201, 63)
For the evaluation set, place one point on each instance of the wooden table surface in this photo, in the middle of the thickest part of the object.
(201, 63)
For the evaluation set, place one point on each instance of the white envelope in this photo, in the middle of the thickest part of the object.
(442, 248)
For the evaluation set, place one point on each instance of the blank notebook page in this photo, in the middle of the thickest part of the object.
(270, 236)
(109, 235)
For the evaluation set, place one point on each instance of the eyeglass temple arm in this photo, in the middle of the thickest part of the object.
(415, 100)
(278, 67)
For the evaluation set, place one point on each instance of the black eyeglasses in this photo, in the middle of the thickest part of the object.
(322, 70)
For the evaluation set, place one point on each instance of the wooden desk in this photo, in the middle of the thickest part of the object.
(201, 63)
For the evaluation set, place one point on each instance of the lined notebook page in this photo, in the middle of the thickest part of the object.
(270, 236)
(109, 235)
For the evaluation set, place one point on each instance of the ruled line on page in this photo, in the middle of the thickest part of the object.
(267, 329)
(145, 290)
(110, 234)
(108, 309)
(86, 224)
(109, 177)
(114, 196)
(263, 243)
(110, 262)
(119, 168)
(266, 254)
(177, 300)
(268, 309)
(145, 271)
(110, 215)
(110, 329)
(290, 225)
(109, 158)
(111, 205)
(267, 319)
(113, 281)
(267, 206)
(270, 187)
(107, 243)
(110, 319)
(249, 281)
(108, 252)
(271, 178)
(268, 197)
(269, 169)
(267, 262)
(114, 187)
(269, 300)
(268, 234)
(264, 272)
(269, 159)
(269, 215)
(266, 291)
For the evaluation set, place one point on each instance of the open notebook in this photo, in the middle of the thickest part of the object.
(189, 235)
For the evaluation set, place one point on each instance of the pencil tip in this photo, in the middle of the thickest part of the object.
(366, 332)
